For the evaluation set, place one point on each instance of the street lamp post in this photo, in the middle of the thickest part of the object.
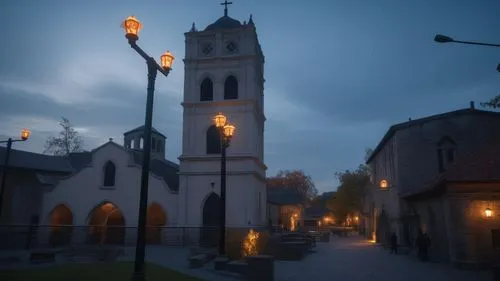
(132, 27)
(226, 133)
(446, 39)
(25, 134)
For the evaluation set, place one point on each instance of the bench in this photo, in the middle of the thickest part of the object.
(292, 250)
(299, 237)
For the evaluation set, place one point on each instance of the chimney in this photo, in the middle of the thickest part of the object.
(472, 105)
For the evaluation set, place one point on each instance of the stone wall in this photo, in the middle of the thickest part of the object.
(470, 229)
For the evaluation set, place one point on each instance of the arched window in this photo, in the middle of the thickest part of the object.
(231, 88)
(206, 90)
(141, 143)
(109, 174)
(160, 146)
(446, 150)
(213, 140)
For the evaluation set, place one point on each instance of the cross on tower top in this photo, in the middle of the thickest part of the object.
(225, 6)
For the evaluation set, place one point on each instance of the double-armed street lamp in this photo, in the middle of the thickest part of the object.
(226, 132)
(132, 27)
(446, 39)
(25, 134)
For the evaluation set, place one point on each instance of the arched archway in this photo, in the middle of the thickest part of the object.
(156, 220)
(231, 88)
(383, 228)
(61, 225)
(107, 225)
(206, 90)
(211, 221)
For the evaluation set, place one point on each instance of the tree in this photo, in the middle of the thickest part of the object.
(492, 103)
(68, 141)
(348, 199)
(295, 179)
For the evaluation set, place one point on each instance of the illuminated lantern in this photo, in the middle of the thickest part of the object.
(132, 26)
(25, 134)
(229, 131)
(384, 184)
(488, 212)
(220, 120)
(167, 59)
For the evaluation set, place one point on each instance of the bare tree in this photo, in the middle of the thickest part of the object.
(492, 103)
(68, 141)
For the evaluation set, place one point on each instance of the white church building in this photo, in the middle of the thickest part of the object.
(98, 191)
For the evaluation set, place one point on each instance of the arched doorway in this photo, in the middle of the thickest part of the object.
(155, 222)
(61, 225)
(211, 221)
(383, 229)
(107, 225)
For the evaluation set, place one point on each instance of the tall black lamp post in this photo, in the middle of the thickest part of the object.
(226, 133)
(446, 39)
(25, 134)
(132, 27)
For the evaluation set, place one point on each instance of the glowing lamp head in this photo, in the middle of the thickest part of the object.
(229, 131)
(356, 218)
(132, 26)
(384, 184)
(220, 120)
(25, 134)
(167, 59)
(488, 212)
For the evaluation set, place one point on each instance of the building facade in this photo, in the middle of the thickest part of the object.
(409, 158)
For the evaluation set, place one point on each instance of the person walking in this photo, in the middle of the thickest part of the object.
(420, 245)
(394, 243)
(426, 240)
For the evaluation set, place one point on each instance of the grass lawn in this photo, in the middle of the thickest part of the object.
(118, 271)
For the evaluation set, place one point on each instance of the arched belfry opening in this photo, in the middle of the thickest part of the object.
(211, 221)
(206, 90)
(61, 225)
(156, 221)
(134, 140)
(231, 88)
(213, 140)
(109, 174)
(107, 225)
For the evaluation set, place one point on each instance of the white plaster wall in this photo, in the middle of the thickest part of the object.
(83, 191)
(242, 202)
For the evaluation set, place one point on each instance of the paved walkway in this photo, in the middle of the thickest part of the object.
(354, 259)
(343, 259)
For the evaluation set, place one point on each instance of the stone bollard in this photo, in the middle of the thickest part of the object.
(260, 268)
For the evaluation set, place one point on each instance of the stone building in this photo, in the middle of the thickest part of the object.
(406, 166)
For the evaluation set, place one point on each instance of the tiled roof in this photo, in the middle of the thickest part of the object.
(394, 128)
(36, 161)
(480, 165)
(284, 196)
(161, 167)
(141, 129)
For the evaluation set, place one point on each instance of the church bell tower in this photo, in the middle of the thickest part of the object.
(224, 72)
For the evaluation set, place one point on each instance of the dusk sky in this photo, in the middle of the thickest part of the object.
(338, 73)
